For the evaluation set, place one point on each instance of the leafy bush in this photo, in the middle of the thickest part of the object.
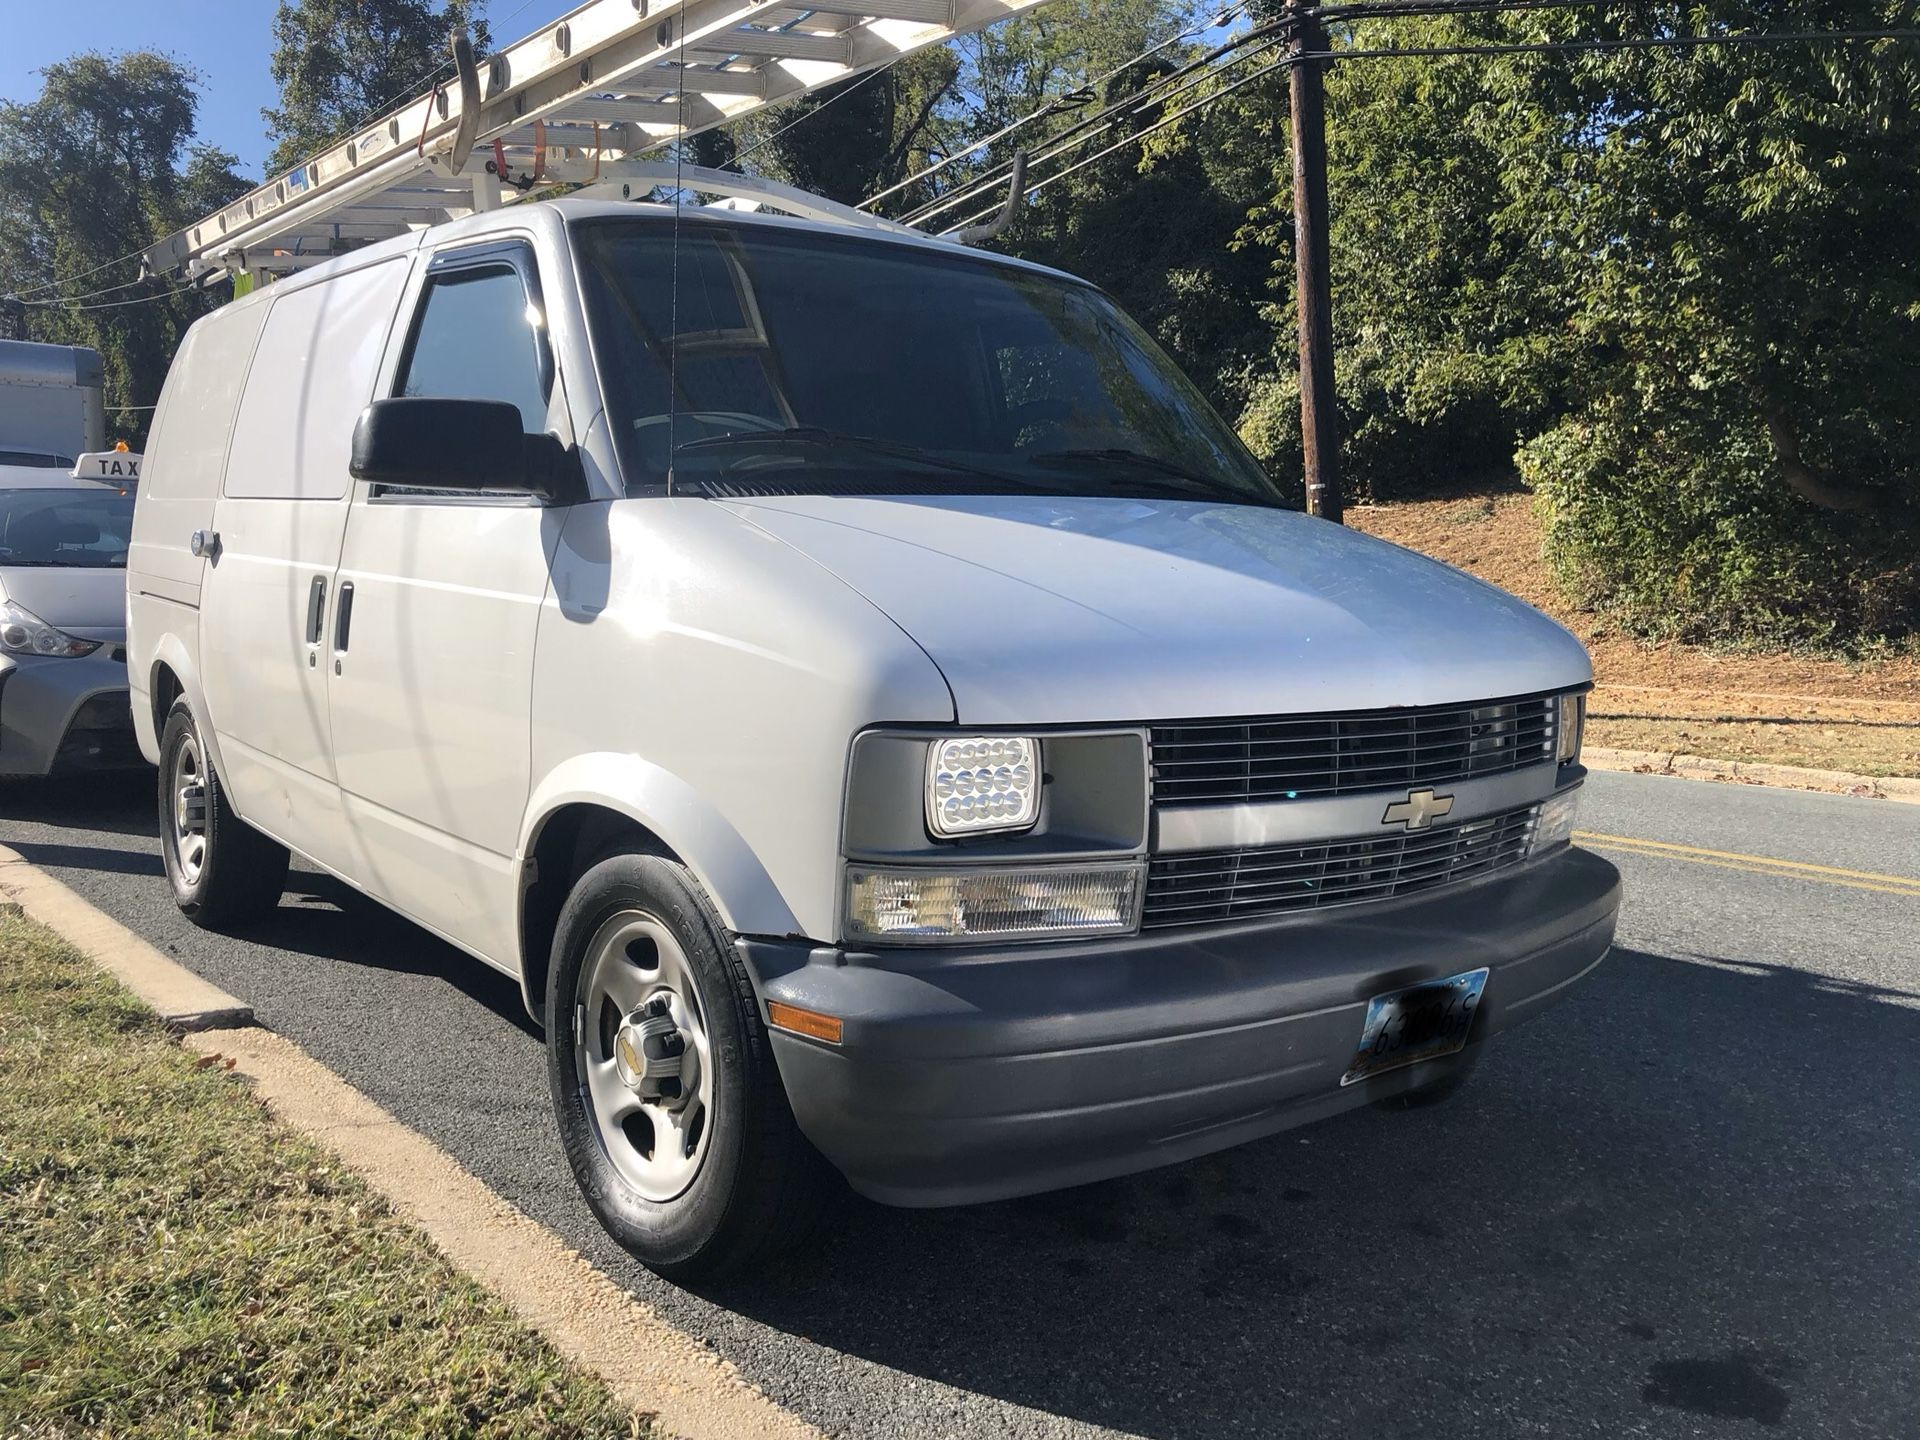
(1676, 527)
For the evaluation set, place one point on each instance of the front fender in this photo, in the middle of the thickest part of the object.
(726, 867)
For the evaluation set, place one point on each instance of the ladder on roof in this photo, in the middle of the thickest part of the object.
(575, 102)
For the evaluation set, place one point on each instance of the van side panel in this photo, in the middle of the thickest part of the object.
(269, 599)
(185, 457)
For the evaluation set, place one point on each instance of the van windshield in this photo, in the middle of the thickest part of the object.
(81, 529)
(802, 363)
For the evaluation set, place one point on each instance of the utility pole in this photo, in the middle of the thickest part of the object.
(1319, 420)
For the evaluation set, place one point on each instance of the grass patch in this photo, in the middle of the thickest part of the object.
(174, 1261)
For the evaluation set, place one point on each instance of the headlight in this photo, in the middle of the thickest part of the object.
(1554, 823)
(1572, 719)
(24, 633)
(982, 784)
(927, 906)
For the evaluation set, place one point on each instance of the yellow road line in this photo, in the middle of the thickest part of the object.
(1755, 864)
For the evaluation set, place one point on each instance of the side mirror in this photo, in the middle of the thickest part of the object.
(434, 444)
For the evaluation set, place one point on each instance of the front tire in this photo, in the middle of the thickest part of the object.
(670, 1107)
(223, 872)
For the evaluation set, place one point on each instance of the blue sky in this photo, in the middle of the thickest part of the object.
(228, 41)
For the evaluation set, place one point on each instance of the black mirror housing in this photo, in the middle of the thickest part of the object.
(435, 444)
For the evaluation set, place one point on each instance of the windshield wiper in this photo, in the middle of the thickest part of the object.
(818, 438)
(1164, 471)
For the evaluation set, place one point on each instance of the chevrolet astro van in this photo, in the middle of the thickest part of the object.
(881, 715)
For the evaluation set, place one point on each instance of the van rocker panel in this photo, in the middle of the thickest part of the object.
(971, 1074)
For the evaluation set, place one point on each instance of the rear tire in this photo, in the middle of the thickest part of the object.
(223, 871)
(669, 1104)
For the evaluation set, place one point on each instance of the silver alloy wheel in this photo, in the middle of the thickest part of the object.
(641, 1053)
(188, 783)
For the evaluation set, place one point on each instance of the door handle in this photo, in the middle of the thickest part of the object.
(316, 609)
(342, 623)
(204, 544)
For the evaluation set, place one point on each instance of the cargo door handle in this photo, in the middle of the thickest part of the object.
(342, 623)
(204, 544)
(316, 609)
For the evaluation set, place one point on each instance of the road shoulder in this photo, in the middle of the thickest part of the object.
(1744, 772)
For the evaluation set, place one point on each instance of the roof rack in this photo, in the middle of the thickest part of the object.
(635, 179)
(574, 103)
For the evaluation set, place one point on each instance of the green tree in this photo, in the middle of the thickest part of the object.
(343, 63)
(1678, 284)
(99, 166)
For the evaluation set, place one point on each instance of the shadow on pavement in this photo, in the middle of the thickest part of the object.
(122, 803)
(318, 917)
(322, 918)
(1690, 1189)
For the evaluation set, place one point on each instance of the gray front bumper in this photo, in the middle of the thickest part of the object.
(968, 1075)
(59, 713)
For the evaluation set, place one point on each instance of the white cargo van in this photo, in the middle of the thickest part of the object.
(880, 713)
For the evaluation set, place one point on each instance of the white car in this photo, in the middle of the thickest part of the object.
(884, 718)
(63, 617)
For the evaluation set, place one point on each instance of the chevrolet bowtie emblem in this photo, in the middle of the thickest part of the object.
(1419, 810)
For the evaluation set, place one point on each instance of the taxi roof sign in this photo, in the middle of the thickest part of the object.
(119, 466)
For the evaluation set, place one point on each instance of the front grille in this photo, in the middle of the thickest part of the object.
(1203, 887)
(1291, 757)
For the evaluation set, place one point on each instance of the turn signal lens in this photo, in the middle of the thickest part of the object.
(1553, 823)
(927, 906)
(804, 1022)
(982, 783)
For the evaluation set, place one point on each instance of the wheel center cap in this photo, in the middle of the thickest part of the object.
(190, 807)
(652, 1054)
(626, 1054)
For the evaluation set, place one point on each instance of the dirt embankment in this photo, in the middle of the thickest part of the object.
(1783, 708)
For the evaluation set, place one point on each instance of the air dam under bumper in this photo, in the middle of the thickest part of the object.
(971, 1074)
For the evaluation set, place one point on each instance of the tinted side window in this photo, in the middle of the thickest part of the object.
(476, 341)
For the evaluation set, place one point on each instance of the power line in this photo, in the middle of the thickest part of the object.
(76, 279)
(1632, 43)
(1263, 38)
(107, 305)
(804, 116)
(1649, 42)
(1183, 81)
(379, 108)
(1187, 78)
(1058, 106)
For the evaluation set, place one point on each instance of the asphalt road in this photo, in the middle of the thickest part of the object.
(1685, 1203)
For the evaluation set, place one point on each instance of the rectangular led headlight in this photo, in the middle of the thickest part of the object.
(982, 785)
(1572, 719)
(1553, 825)
(933, 904)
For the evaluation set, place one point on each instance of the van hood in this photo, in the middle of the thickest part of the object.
(87, 603)
(1075, 610)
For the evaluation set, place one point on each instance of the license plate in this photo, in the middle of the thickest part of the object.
(1421, 1022)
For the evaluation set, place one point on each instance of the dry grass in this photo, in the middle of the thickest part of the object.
(1787, 709)
(174, 1262)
